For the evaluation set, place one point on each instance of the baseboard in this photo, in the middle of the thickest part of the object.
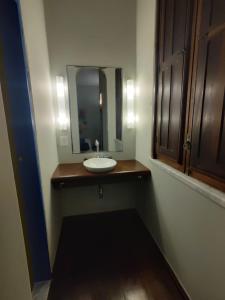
(40, 290)
(101, 213)
(173, 274)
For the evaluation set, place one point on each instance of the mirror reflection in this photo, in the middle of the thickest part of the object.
(95, 95)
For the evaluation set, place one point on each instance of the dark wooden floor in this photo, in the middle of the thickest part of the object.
(110, 257)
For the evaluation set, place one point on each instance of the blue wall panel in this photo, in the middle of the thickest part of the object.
(20, 120)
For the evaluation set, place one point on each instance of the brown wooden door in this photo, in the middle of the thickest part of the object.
(208, 123)
(172, 68)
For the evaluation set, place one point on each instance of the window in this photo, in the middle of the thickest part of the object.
(190, 88)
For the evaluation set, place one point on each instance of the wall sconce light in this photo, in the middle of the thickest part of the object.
(62, 118)
(130, 91)
(100, 101)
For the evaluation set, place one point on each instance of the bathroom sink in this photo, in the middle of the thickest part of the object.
(99, 164)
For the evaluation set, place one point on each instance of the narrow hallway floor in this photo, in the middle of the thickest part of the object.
(110, 256)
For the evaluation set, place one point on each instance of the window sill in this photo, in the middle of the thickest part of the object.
(198, 186)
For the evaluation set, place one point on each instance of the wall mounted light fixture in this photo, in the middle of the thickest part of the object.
(62, 118)
(130, 92)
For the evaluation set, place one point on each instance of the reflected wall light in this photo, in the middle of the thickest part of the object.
(62, 118)
(130, 91)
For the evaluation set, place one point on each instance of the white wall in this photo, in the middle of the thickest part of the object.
(38, 62)
(85, 200)
(92, 33)
(14, 276)
(188, 227)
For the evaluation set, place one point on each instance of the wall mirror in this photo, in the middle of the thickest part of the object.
(96, 108)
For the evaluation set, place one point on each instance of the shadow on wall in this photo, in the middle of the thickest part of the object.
(153, 217)
(55, 223)
(148, 210)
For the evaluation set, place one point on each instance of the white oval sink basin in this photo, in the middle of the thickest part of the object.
(99, 165)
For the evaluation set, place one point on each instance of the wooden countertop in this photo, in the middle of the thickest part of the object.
(75, 174)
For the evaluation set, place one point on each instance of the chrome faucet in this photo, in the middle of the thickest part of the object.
(97, 147)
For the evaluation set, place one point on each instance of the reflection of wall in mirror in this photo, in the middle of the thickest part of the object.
(111, 108)
(104, 106)
(88, 107)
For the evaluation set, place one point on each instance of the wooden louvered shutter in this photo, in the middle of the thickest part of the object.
(175, 22)
(208, 104)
